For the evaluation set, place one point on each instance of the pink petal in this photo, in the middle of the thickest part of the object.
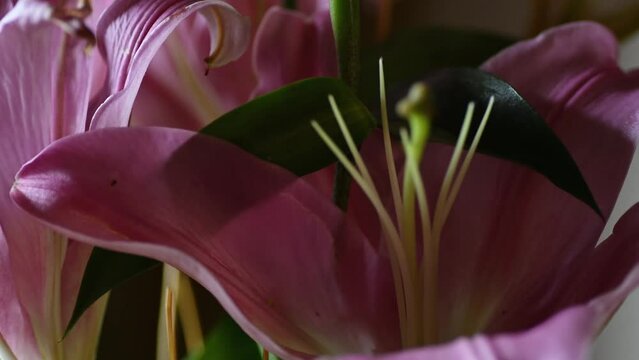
(511, 233)
(277, 254)
(290, 46)
(15, 327)
(612, 268)
(44, 97)
(155, 105)
(177, 93)
(133, 31)
(566, 336)
(5, 6)
(600, 283)
(236, 82)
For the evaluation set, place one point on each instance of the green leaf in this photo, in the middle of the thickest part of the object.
(411, 54)
(515, 131)
(105, 271)
(276, 127)
(227, 341)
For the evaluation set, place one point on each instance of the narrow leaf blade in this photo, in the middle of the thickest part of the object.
(105, 271)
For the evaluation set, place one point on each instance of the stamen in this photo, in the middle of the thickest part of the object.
(466, 163)
(416, 283)
(221, 38)
(388, 149)
(54, 291)
(403, 283)
(265, 355)
(169, 312)
(349, 140)
(394, 183)
(450, 171)
(170, 281)
(368, 188)
(189, 319)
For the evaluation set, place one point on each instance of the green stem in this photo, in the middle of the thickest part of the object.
(345, 16)
(341, 186)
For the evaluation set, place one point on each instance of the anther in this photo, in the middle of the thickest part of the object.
(71, 20)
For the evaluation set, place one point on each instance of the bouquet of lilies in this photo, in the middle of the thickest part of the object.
(345, 189)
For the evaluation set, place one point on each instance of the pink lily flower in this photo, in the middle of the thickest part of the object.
(287, 45)
(44, 96)
(520, 275)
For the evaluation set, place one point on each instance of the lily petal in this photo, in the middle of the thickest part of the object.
(567, 336)
(15, 327)
(276, 253)
(235, 82)
(41, 99)
(132, 33)
(569, 333)
(511, 231)
(5, 6)
(291, 46)
(176, 92)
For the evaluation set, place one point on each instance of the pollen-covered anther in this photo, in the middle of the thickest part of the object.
(71, 20)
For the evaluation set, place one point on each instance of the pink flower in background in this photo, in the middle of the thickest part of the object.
(520, 275)
(287, 45)
(44, 96)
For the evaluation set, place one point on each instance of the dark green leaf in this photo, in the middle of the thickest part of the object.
(105, 271)
(276, 127)
(515, 131)
(411, 54)
(227, 342)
